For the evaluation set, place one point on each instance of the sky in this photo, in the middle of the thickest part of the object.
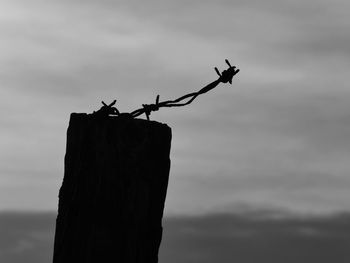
(246, 238)
(277, 138)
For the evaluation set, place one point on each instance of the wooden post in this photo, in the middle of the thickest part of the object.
(112, 197)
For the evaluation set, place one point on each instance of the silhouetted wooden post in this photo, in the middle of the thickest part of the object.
(112, 197)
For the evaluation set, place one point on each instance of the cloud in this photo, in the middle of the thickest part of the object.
(284, 124)
(246, 238)
(250, 236)
(26, 237)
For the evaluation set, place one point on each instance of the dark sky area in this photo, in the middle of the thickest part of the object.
(259, 236)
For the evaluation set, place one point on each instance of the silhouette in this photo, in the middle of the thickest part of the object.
(107, 110)
(112, 196)
(115, 181)
(224, 77)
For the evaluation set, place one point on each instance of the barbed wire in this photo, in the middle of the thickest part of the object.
(224, 77)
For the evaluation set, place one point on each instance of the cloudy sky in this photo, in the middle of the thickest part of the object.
(249, 238)
(277, 138)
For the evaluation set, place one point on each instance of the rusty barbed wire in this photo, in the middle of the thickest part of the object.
(224, 77)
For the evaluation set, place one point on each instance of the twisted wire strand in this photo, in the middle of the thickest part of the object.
(148, 108)
(224, 77)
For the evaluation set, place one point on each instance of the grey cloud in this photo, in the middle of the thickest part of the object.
(287, 113)
(254, 236)
(279, 32)
(26, 237)
(303, 132)
(279, 146)
(295, 190)
(238, 238)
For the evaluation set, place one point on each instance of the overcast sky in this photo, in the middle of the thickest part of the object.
(278, 137)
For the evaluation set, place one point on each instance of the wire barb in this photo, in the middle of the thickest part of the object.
(217, 71)
(107, 110)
